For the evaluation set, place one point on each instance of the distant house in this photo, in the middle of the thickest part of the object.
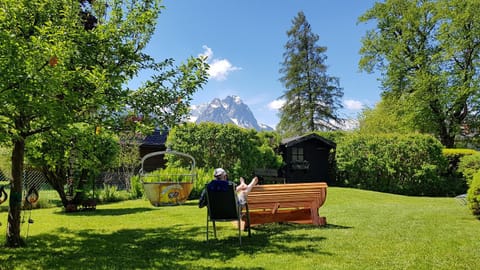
(153, 143)
(308, 158)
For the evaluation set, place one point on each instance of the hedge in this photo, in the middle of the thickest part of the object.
(410, 164)
(473, 195)
(468, 165)
(239, 151)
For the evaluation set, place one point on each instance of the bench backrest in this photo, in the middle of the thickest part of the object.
(288, 194)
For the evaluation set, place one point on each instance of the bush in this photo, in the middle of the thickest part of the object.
(455, 173)
(458, 152)
(203, 177)
(111, 194)
(238, 150)
(469, 165)
(454, 155)
(473, 195)
(403, 164)
(169, 174)
(136, 188)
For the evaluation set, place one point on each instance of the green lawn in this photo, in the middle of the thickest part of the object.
(367, 230)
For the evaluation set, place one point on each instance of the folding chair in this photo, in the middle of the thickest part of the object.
(222, 205)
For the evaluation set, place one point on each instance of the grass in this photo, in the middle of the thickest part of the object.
(367, 230)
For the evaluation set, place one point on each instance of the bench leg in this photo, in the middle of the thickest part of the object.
(314, 214)
(323, 221)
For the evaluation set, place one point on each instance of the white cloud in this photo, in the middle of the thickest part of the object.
(353, 104)
(276, 104)
(219, 68)
(208, 53)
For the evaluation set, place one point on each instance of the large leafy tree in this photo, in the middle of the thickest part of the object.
(428, 53)
(312, 97)
(67, 61)
(72, 157)
(388, 116)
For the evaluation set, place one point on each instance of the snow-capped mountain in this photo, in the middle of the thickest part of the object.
(228, 110)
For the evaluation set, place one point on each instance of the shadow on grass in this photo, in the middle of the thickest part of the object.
(282, 227)
(190, 202)
(334, 226)
(177, 247)
(107, 212)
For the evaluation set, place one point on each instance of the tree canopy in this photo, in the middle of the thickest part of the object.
(428, 54)
(312, 97)
(64, 62)
(388, 116)
(238, 150)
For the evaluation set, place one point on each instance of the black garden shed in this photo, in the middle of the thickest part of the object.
(153, 143)
(308, 158)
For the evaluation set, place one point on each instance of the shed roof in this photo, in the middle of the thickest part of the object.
(298, 139)
(157, 138)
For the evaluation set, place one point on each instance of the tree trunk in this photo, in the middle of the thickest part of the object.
(57, 181)
(15, 208)
(447, 140)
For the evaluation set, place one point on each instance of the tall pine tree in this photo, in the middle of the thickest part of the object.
(312, 97)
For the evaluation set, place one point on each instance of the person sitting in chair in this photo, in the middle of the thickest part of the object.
(242, 190)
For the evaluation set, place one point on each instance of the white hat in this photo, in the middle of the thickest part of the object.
(219, 172)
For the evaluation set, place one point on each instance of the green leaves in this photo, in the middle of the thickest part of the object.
(237, 150)
(65, 63)
(410, 164)
(78, 146)
(312, 97)
(473, 195)
(165, 99)
(428, 53)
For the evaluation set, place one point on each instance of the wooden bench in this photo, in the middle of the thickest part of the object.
(297, 203)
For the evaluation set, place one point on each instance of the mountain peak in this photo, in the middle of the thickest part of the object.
(233, 99)
(231, 109)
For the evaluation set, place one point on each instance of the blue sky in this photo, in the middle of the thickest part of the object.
(245, 40)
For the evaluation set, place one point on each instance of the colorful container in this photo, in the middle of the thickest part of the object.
(172, 189)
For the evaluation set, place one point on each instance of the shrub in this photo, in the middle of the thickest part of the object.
(469, 165)
(169, 174)
(238, 150)
(203, 177)
(110, 193)
(458, 152)
(455, 175)
(454, 155)
(473, 195)
(136, 187)
(404, 164)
